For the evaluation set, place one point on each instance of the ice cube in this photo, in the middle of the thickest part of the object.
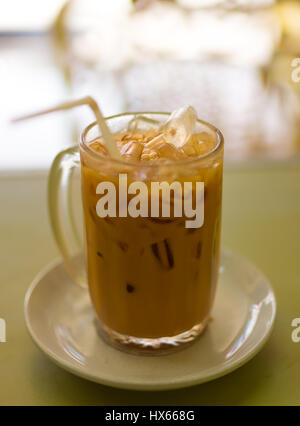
(198, 144)
(179, 127)
(159, 148)
(132, 150)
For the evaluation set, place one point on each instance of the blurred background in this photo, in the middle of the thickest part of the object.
(236, 61)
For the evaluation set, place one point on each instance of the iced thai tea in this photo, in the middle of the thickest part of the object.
(152, 280)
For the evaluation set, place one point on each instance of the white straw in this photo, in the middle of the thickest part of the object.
(107, 135)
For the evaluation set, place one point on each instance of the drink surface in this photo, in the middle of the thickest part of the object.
(152, 277)
(151, 147)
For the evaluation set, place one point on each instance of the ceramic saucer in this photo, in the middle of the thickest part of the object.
(60, 320)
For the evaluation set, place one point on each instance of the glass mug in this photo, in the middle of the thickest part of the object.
(151, 280)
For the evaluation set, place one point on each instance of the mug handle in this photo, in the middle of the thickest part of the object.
(61, 214)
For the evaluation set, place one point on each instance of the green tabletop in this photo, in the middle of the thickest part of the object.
(261, 220)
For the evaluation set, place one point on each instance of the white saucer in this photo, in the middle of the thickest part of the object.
(60, 320)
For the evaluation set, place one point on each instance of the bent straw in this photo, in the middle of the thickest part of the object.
(88, 100)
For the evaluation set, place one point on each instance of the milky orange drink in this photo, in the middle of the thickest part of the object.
(152, 280)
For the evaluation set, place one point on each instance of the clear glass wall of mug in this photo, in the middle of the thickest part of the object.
(152, 280)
